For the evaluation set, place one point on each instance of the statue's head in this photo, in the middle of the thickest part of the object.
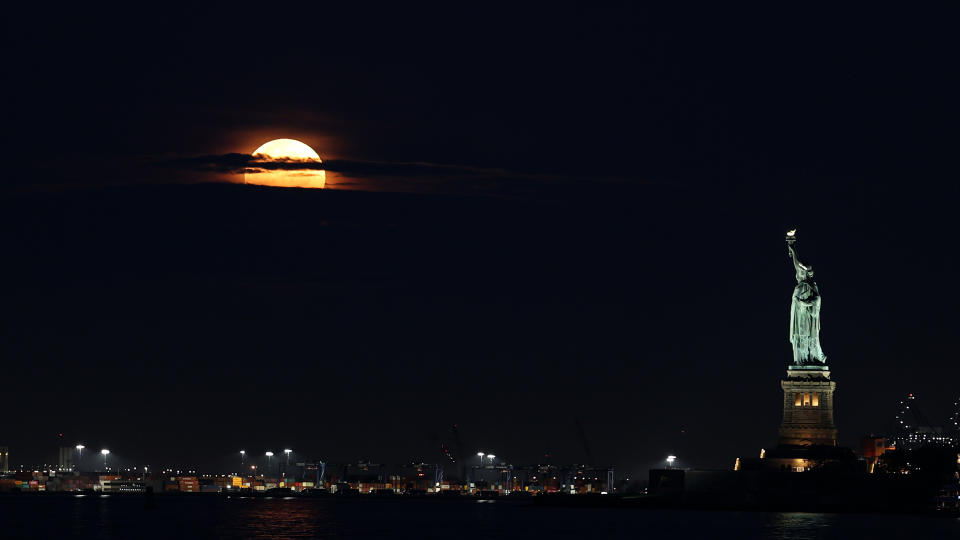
(804, 273)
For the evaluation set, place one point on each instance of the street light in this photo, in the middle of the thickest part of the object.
(243, 457)
(480, 455)
(287, 451)
(105, 452)
(490, 457)
(80, 448)
(670, 460)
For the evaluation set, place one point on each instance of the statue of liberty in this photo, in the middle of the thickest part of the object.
(804, 313)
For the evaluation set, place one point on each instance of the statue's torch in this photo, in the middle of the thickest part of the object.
(791, 239)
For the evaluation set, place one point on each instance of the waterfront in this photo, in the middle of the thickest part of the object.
(198, 516)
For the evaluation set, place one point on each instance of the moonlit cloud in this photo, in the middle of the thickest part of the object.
(400, 176)
(246, 163)
(243, 164)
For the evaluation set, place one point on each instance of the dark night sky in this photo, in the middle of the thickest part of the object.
(597, 232)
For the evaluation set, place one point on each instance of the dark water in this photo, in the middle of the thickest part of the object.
(213, 517)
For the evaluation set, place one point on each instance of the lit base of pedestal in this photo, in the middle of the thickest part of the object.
(807, 436)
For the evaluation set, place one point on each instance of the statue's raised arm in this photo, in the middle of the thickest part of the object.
(798, 267)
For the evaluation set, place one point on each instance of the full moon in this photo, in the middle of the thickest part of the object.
(289, 149)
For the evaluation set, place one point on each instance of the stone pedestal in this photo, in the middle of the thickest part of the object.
(808, 407)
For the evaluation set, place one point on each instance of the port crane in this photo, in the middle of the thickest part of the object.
(912, 428)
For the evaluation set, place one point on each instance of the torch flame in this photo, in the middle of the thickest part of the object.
(792, 233)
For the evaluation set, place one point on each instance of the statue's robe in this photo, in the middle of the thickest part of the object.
(805, 324)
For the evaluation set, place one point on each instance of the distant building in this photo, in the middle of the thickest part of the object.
(914, 431)
(872, 449)
(65, 458)
(921, 436)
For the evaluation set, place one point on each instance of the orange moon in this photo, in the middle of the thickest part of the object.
(286, 149)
